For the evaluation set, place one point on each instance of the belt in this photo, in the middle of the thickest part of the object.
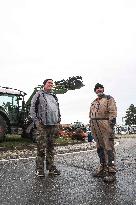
(97, 118)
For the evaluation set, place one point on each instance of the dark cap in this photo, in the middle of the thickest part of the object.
(45, 81)
(98, 85)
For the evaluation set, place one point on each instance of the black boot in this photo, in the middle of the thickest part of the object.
(110, 154)
(100, 172)
(111, 171)
(54, 171)
(109, 177)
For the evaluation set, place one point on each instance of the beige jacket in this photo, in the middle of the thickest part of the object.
(104, 108)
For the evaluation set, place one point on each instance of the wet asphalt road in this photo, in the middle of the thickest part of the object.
(75, 185)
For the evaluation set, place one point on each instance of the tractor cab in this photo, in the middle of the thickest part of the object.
(11, 102)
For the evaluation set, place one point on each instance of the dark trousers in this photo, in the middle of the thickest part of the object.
(45, 146)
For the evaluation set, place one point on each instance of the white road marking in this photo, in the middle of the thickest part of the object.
(59, 154)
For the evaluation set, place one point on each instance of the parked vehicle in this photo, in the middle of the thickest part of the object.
(14, 111)
(122, 129)
(133, 129)
(75, 131)
(125, 129)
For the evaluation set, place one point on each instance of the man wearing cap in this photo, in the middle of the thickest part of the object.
(103, 113)
(45, 113)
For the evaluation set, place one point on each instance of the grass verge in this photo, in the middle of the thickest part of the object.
(17, 142)
(14, 141)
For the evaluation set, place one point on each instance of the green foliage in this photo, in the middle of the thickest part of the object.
(71, 83)
(63, 141)
(130, 118)
(61, 87)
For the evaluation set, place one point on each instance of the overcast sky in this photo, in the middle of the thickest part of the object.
(58, 39)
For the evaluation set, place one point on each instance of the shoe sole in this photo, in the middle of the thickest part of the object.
(109, 180)
(55, 174)
(100, 176)
(40, 175)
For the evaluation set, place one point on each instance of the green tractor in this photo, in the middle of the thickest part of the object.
(14, 111)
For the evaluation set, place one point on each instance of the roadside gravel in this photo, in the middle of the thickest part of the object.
(30, 151)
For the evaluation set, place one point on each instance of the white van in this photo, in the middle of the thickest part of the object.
(122, 129)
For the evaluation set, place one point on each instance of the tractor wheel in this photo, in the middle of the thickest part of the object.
(3, 128)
